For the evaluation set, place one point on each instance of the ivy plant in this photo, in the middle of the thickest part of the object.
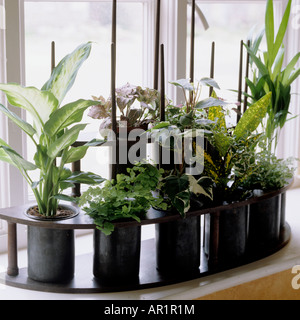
(129, 196)
(178, 190)
(54, 130)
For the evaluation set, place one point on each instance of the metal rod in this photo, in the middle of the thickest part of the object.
(212, 66)
(115, 160)
(240, 83)
(12, 269)
(247, 76)
(163, 91)
(76, 190)
(52, 56)
(114, 22)
(156, 53)
(114, 111)
(215, 239)
(192, 59)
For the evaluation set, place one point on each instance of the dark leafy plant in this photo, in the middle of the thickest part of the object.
(54, 130)
(179, 189)
(127, 197)
(269, 75)
(232, 160)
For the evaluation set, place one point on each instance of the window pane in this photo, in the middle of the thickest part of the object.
(70, 24)
(229, 23)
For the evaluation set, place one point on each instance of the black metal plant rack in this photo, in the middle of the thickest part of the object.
(149, 277)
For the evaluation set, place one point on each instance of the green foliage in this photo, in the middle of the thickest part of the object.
(127, 197)
(232, 160)
(178, 190)
(271, 173)
(126, 97)
(192, 113)
(269, 74)
(54, 130)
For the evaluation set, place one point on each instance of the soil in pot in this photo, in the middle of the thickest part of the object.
(117, 256)
(63, 212)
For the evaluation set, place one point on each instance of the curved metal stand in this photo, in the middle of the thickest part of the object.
(150, 277)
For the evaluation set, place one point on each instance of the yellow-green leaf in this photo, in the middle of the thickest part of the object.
(252, 117)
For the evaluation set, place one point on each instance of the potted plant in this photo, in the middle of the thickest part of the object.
(130, 196)
(184, 123)
(137, 108)
(229, 165)
(53, 131)
(178, 242)
(269, 75)
(267, 217)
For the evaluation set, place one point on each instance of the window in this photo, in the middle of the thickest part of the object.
(33, 24)
(88, 21)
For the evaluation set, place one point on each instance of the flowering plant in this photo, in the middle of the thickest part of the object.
(132, 113)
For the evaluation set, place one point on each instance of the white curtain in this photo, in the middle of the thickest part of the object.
(289, 143)
(4, 181)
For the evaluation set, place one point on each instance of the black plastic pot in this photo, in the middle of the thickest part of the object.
(51, 255)
(117, 256)
(178, 246)
(51, 252)
(265, 220)
(283, 210)
(231, 236)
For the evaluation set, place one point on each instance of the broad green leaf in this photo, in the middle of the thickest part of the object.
(65, 198)
(210, 102)
(85, 178)
(278, 63)
(209, 82)
(161, 125)
(182, 202)
(173, 185)
(95, 142)
(269, 24)
(216, 113)
(282, 30)
(75, 154)
(183, 83)
(69, 137)
(18, 161)
(66, 115)
(38, 103)
(26, 127)
(222, 142)
(197, 188)
(260, 65)
(293, 77)
(64, 75)
(253, 117)
(3, 155)
(290, 68)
